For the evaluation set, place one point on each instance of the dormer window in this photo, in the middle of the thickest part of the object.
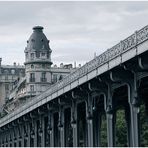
(37, 54)
(43, 54)
(32, 40)
(32, 55)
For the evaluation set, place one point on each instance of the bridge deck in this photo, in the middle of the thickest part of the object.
(127, 49)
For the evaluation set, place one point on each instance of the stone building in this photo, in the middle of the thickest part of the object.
(36, 76)
(9, 75)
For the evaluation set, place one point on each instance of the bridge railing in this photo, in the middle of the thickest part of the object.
(132, 41)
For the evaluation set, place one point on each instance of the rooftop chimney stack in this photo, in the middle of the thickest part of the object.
(14, 63)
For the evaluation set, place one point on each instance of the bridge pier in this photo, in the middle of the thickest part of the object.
(111, 129)
(110, 116)
(61, 125)
(4, 139)
(74, 123)
(134, 118)
(40, 125)
(129, 78)
(35, 134)
(7, 139)
(50, 128)
(43, 132)
(10, 138)
(22, 134)
(68, 134)
(28, 135)
(89, 118)
(17, 135)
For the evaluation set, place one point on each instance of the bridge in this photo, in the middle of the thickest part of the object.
(70, 112)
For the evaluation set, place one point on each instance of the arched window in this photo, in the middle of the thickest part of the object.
(32, 66)
(32, 55)
(32, 40)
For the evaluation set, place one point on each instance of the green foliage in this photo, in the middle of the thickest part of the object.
(143, 127)
(104, 132)
(121, 129)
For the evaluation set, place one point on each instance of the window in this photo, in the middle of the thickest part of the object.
(61, 77)
(43, 54)
(32, 66)
(32, 55)
(54, 78)
(6, 86)
(32, 77)
(43, 77)
(43, 74)
(32, 40)
(6, 77)
(37, 54)
(32, 88)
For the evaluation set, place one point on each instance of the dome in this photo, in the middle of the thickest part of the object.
(38, 40)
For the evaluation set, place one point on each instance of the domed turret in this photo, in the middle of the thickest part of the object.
(38, 49)
(37, 62)
(38, 40)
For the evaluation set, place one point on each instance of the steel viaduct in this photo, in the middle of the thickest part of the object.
(70, 112)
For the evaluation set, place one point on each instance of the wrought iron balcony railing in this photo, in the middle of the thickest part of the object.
(32, 79)
(43, 79)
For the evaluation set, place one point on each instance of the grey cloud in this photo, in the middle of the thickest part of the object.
(76, 29)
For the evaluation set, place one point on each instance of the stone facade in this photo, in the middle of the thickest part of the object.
(9, 75)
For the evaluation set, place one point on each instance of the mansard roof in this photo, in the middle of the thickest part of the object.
(38, 40)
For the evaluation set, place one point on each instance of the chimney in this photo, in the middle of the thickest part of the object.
(74, 64)
(95, 55)
(61, 65)
(14, 63)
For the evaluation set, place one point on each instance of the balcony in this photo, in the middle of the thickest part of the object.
(32, 79)
(43, 79)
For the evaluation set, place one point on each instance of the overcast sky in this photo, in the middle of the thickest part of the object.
(76, 30)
